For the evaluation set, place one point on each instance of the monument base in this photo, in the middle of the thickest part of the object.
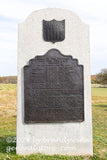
(50, 150)
(60, 138)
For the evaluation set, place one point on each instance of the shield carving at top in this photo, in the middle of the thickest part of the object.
(54, 31)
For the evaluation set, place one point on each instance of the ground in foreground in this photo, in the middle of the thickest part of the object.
(8, 94)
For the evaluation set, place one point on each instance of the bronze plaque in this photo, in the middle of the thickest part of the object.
(53, 89)
(54, 31)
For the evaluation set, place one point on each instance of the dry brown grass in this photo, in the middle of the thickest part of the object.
(8, 102)
(99, 99)
(8, 108)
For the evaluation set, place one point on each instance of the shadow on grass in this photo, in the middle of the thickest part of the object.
(100, 105)
(8, 145)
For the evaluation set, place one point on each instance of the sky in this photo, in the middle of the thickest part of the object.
(13, 12)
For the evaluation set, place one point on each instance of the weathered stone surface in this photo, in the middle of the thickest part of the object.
(72, 138)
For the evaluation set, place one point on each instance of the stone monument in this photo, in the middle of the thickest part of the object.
(54, 92)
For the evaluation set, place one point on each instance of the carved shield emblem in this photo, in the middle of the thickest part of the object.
(54, 31)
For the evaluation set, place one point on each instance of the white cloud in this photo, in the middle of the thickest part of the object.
(8, 45)
(98, 34)
(20, 8)
(8, 36)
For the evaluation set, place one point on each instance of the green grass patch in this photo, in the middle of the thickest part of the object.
(100, 127)
(99, 92)
(7, 87)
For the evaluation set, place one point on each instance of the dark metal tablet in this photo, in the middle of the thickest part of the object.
(53, 89)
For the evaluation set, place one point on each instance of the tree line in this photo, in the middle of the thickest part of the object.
(8, 79)
(100, 78)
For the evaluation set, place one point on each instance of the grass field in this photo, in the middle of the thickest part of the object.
(8, 94)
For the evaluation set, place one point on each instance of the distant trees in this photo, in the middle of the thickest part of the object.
(100, 78)
(93, 79)
(8, 79)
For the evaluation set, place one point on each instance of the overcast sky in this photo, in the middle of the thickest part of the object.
(12, 12)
